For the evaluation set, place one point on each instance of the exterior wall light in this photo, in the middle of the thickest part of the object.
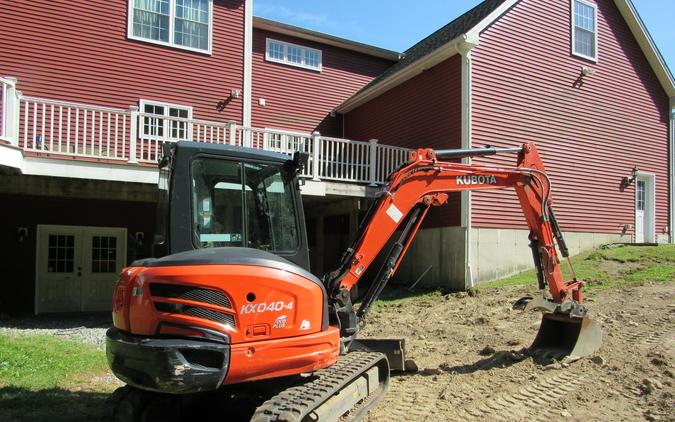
(627, 181)
(22, 234)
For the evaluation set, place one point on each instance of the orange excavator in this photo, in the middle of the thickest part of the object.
(229, 306)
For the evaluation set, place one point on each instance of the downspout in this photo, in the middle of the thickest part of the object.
(671, 167)
(248, 61)
(464, 47)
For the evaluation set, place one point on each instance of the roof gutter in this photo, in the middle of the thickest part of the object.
(408, 72)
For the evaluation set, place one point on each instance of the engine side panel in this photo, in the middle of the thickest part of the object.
(248, 303)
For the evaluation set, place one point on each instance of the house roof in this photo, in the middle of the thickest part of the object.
(441, 37)
(306, 34)
(647, 45)
(464, 31)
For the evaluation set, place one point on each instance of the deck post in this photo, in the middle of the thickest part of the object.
(133, 136)
(10, 111)
(232, 128)
(373, 162)
(316, 153)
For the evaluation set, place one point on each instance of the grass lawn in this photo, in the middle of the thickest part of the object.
(616, 267)
(612, 267)
(46, 378)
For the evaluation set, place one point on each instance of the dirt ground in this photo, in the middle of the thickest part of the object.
(630, 378)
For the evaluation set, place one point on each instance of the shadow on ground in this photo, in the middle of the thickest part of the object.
(53, 404)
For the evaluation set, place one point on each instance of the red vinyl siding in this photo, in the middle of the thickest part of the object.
(302, 99)
(423, 112)
(590, 136)
(77, 50)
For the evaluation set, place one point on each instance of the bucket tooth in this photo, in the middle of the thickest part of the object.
(568, 336)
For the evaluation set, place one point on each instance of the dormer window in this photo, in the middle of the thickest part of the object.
(585, 29)
(293, 54)
(186, 24)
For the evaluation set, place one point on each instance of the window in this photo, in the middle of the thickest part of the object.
(292, 54)
(584, 29)
(179, 23)
(167, 126)
(243, 204)
(61, 255)
(104, 254)
(640, 195)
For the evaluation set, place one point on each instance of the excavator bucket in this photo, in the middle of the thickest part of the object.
(562, 335)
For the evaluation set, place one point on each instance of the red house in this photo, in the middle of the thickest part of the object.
(581, 78)
(91, 89)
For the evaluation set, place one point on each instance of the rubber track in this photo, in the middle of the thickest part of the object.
(293, 404)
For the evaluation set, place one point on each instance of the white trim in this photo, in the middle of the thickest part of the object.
(142, 103)
(172, 17)
(285, 60)
(306, 34)
(55, 167)
(11, 156)
(671, 172)
(466, 135)
(647, 45)
(248, 63)
(595, 32)
(489, 19)
(430, 60)
(650, 206)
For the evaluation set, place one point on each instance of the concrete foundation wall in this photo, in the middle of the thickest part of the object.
(441, 249)
(498, 253)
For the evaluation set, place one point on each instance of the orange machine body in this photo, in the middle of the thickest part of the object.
(274, 319)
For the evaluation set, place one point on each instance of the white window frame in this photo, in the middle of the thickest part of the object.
(167, 128)
(172, 19)
(596, 32)
(285, 60)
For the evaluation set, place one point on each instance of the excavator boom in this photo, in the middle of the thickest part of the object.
(425, 181)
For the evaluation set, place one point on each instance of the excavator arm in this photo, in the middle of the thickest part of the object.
(425, 181)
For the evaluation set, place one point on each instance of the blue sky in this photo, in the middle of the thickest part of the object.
(395, 25)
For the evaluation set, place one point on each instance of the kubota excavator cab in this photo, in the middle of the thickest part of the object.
(224, 196)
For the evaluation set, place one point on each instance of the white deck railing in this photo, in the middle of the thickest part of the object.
(76, 130)
(60, 128)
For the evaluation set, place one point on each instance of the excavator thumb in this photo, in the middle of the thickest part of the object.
(570, 334)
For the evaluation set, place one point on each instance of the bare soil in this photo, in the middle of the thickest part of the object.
(473, 364)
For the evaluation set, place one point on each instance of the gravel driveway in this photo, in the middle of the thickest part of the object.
(86, 328)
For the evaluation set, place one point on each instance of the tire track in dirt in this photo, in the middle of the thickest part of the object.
(629, 378)
(453, 397)
(663, 329)
(532, 401)
(410, 398)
